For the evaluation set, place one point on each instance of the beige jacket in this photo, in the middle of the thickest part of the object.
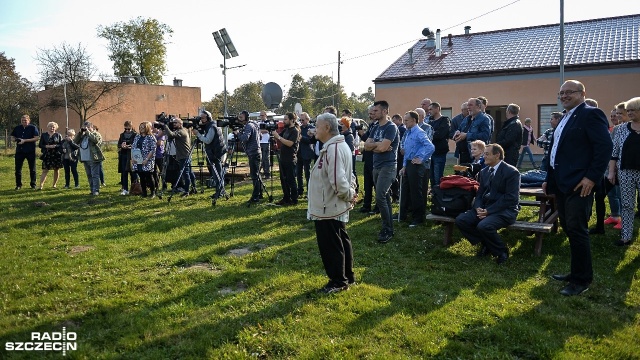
(332, 183)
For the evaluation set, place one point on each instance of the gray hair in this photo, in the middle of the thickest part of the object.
(331, 120)
(421, 112)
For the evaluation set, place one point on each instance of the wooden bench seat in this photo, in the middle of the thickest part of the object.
(530, 227)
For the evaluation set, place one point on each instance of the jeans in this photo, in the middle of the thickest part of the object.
(92, 168)
(382, 178)
(438, 163)
(266, 163)
(526, 149)
(186, 173)
(70, 167)
(19, 161)
(303, 165)
(369, 184)
(254, 171)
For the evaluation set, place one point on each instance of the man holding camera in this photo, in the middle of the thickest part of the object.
(290, 139)
(250, 138)
(182, 143)
(90, 154)
(305, 152)
(214, 146)
(25, 135)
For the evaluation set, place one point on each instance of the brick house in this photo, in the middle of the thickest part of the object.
(140, 103)
(519, 66)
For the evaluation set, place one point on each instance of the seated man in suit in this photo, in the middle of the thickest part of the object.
(496, 205)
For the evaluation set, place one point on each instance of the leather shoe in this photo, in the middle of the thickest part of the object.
(482, 251)
(573, 289)
(502, 258)
(561, 277)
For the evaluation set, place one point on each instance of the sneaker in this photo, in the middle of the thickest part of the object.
(618, 226)
(18, 187)
(385, 236)
(612, 220)
(332, 289)
(282, 202)
(414, 224)
(124, 192)
(104, 184)
(66, 186)
(95, 193)
(77, 187)
(374, 211)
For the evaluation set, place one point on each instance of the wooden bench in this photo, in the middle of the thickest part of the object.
(537, 228)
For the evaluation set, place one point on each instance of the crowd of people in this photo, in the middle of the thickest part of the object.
(586, 157)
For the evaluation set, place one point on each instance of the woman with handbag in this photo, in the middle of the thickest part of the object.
(143, 154)
(51, 146)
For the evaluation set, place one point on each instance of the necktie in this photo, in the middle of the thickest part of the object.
(487, 191)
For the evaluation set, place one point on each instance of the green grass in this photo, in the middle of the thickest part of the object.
(134, 292)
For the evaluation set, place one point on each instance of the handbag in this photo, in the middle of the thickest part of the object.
(136, 189)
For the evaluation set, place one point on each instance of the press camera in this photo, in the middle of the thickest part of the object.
(231, 121)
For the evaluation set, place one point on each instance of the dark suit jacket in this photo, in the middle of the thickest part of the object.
(504, 191)
(584, 150)
(510, 138)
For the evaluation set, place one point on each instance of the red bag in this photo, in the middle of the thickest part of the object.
(459, 181)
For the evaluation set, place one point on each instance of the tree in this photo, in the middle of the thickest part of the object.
(17, 95)
(299, 92)
(359, 104)
(245, 97)
(66, 66)
(138, 48)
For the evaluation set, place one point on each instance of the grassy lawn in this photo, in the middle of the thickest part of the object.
(137, 278)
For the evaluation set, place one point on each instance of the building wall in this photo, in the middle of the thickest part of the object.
(608, 87)
(141, 103)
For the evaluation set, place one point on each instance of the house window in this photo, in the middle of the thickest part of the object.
(446, 112)
(544, 114)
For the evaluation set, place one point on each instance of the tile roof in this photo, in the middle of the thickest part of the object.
(607, 41)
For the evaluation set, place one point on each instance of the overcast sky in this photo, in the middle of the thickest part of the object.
(275, 39)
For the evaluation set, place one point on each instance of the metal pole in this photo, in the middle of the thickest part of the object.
(338, 92)
(224, 72)
(66, 106)
(561, 46)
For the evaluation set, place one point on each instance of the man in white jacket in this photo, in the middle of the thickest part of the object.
(331, 196)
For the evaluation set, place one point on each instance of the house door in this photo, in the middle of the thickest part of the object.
(499, 114)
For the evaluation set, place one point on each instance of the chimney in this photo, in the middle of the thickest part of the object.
(177, 82)
(438, 44)
(467, 29)
(450, 40)
(410, 52)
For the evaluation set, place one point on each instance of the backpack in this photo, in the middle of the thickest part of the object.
(451, 201)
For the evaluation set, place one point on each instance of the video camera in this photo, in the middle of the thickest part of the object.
(231, 121)
(269, 125)
(163, 119)
(192, 122)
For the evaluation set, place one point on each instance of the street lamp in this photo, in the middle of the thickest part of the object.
(228, 50)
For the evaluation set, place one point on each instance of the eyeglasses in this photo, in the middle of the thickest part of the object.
(631, 110)
(127, 129)
(568, 92)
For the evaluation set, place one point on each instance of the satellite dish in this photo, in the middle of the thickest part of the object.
(297, 108)
(426, 32)
(271, 95)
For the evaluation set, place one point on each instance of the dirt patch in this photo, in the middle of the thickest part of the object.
(40, 204)
(240, 252)
(80, 249)
(202, 266)
(240, 287)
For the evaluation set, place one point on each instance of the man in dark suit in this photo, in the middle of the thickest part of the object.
(510, 136)
(496, 205)
(578, 156)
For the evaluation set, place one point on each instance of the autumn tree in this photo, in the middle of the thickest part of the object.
(299, 92)
(138, 48)
(17, 95)
(359, 104)
(70, 69)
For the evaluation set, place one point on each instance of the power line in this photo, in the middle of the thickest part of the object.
(358, 56)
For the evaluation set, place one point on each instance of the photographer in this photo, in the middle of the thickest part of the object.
(215, 147)
(182, 142)
(250, 138)
(305, 152)
(290, 139)
(91, 156)
(265, 145)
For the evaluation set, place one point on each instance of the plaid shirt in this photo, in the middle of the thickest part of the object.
(545, 140)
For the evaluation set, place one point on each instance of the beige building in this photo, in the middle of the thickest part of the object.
(518, 66)
(139, 102)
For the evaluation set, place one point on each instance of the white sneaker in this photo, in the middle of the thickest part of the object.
(124, 192)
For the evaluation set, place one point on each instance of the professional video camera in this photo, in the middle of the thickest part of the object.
(231, 121)
(269, 125)
(192, 122)
(163, 119)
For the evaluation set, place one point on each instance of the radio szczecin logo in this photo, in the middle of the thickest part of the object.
(46, 341)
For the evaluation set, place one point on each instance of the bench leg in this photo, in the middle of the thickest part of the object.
(538, 246)
(448, 234)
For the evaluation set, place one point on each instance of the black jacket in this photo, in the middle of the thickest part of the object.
(510, 138)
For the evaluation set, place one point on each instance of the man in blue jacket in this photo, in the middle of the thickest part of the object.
(476, 126)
